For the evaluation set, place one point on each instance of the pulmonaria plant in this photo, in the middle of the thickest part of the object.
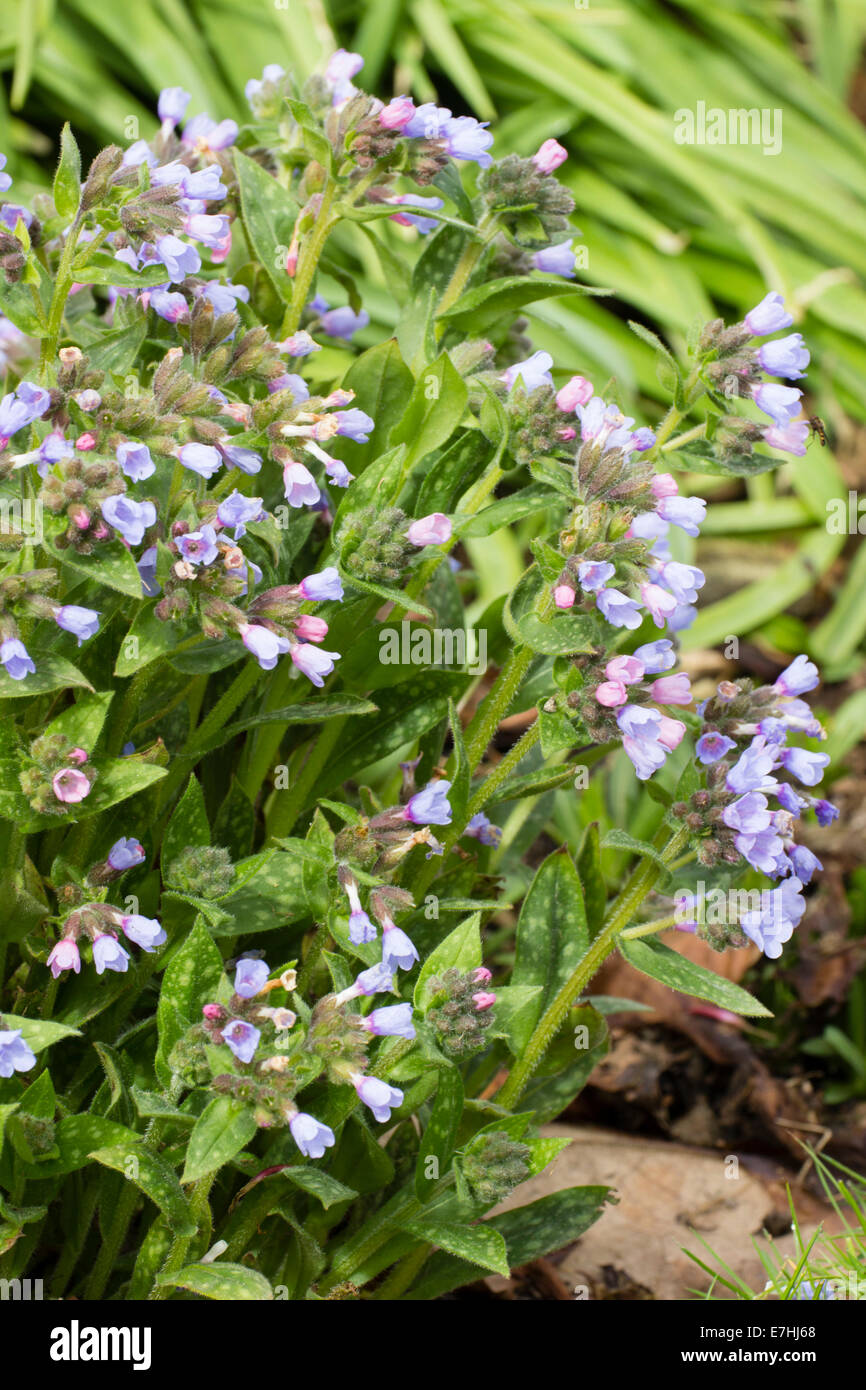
(246, 856)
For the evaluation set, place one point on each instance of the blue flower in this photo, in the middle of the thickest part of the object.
(242, 1038)
(768, 316)
(16, 659)
(250, 977)
(15, 1054)
(82, 622)
(124, 854)
(556, 260)
(311, 1137)
(134, 458)
(130, 518)
(430, 806)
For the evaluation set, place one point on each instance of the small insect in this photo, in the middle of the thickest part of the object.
(816, 424)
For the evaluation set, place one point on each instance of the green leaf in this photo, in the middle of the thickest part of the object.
(222, 1129)
(382, 384)
(529, 1232)
(482, 1245)
(405, 713)
(461, 948)
(52, 673)
(146, 641)
(620, 839)
(269, 214)
(230, 1283)
(480, 308)
(191, 980)
(119, 779)
(592, 879)
(112, 566)
(101, 268)
(435, 409)
(559, 635)
(437, 1141)
(82, 722)
(188, 824)
(273, 895)
(319, 1184)
(527, 501)
(455, 471)
(39, 1033)
(552, 934)
(658, 961)
(67, 180)
(156, 1179)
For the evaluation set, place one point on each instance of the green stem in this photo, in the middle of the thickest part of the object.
(404, 1272)
(650, 928)
(62, 286)
(113, 1243)
(467, 262)
(200, 1211)
(213, 721)
(503, 769)
(308, 263)
(621, 911)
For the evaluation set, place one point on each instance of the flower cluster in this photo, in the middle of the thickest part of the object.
(744, 745)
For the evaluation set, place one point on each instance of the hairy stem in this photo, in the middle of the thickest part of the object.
(621, 911)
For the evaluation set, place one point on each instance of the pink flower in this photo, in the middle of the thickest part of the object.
(481, 975)
(65, 956)
(567, 434)
(664, 485)
(611, 693)
(483, 1001)
(659, 602)
(670, 732)
(397, 114)
(564, 596)
(577, 391)
(86, 441)
(310, 629)
(434, 529)
(624, 668)
(212, 1011)
(549, 157)
(672, 690)
(70, 785)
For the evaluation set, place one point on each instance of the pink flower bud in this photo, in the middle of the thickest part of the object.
(672, 690)
(567, 434)
(212, 1011)
(70, 785)
(481, 975)
(292, 257)
(310, 629)
(564, 596)
(397, 114)
(624, 668)
(549, 157)
(80, 517)
(77, 756)
(611, 693)
(670, 732)
(434, 529)
(86, 441)
(483, 1001)
(664, 485)
(575, 392)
